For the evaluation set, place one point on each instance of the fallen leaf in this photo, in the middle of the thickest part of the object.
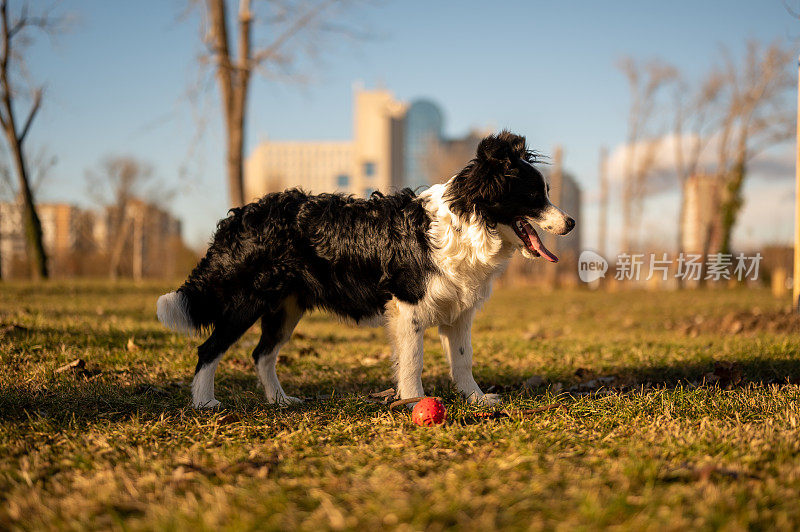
(76, 364)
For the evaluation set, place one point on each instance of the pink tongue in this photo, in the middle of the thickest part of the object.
(536, 244)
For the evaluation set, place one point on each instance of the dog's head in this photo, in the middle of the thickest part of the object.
(503, 188)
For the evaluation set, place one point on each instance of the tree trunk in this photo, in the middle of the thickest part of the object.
(235, 160)
(123, 227)
(731, 204)
(233, 77)
(32, 226)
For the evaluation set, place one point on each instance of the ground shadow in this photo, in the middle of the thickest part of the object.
(103, 396)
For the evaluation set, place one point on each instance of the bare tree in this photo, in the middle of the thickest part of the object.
(645, 82)
(14, 30)
(115, 185)
(695, 123)
(295, 27)
(755, 119)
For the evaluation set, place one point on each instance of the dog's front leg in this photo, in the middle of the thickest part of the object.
(457, 344)
(406, 335)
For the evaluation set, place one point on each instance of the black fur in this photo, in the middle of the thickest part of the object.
(331, 251)
(347, 255)
(498, 185)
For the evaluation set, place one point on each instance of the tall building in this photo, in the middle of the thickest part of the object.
(701, 222)
(372, 161)
(423, 138)
(394, 145)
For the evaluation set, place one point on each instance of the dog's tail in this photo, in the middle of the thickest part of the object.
(188, 310)
(173, 313)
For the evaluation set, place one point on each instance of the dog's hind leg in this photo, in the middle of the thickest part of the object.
(276, 329)
(406, 334)
(225, 333)
(457, 344)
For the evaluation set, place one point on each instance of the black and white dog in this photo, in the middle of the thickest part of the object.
(404, 261)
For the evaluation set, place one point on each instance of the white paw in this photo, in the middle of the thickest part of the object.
(289, 400)
(486, 399)
(284, 400)
(206, 403)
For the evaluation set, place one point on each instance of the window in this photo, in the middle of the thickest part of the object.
(368, 192)
(343, 181)
(369, 169)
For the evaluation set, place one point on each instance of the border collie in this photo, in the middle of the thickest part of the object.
(405, 261)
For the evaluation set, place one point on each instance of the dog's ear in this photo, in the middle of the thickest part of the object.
(500, 149)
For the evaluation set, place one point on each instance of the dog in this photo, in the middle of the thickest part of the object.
(404, 261)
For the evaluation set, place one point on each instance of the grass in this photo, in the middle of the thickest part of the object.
(695, 423)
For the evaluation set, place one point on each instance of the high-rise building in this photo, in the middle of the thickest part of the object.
(423, 139)
(394, 145)
(372, 161)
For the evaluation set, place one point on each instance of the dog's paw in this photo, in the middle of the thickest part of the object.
(490, 399)
(288, 400)
(284, 400)
(486, 399)
(206, 404)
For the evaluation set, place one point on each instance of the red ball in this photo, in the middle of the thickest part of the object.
(428, 412)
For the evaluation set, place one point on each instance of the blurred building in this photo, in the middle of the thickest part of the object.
(145, 241)
(394, 145)
(372, 161)
(11, 243)
(61, 227)
(398, 145)
(701, 222)
(423, 136)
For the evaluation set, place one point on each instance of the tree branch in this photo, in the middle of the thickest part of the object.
(267, 53)
(37, 102)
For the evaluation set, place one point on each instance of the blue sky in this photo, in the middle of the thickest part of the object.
(118, 83)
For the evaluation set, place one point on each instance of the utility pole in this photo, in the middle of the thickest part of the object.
(796, 276)
(601, 226)
(557, 189)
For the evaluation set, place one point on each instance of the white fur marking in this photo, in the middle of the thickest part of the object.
(457, 344)
(265, 367)
(173, 312)
(407, 341)
(203, 386)
(469, 256)
(269, 379)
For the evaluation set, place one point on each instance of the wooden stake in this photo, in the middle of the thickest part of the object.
(556, 196)
(796, 276)
(601, 226)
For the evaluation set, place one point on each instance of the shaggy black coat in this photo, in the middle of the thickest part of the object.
(331, 251)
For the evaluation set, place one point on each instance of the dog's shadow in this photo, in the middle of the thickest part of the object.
(91, 398)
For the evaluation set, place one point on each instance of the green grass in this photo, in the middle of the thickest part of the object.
(698, 428)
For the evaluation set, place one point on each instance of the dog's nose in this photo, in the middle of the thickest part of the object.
(570, 224)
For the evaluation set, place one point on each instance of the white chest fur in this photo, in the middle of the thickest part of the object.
(469, 257)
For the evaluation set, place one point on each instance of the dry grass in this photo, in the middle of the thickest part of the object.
(666, 421)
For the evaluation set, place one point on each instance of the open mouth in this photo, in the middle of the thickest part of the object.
(531, 239)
